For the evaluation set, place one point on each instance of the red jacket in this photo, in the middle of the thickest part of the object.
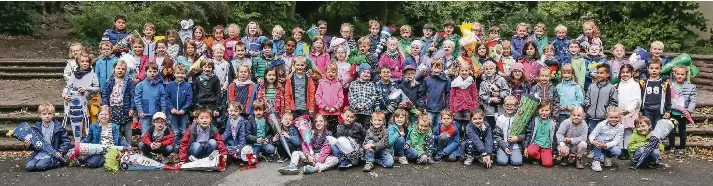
(464, 99)
(251, 96)
(330, 94)
(279, 97)
(141, 72)
(189, 138)
(290, 95)
(166, 140)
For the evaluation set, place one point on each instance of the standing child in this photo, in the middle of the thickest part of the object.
(116, 34)
(600, 96)
(398, 133)
(531, 60)
(137, 68)
(683, 102)
(405, 39)
(206, 89)
(158, 139)
(232, 40)
(637, 144)
(428, 39)
(420, 142)
(544, 90)
(223, 69)
(104, 64)
(174, 47)
(415, 91)
(149, 40)
(447, 34)
(218, 34)
(494, 39)
(163, 61)
(323, 157)
(447, 135)
(278, 44)
(322, 27)
(189, 58)
(437, 91)
(481, 53)
(54, 134)
(240, 57)
(492, 91)
(201, 139)
(618, 61)
(319, 55)
(301, 48)
(289, 54)
(243, 90)
(629, 103)
(105, 133)
(201, 47)
(363, 95)
(347, 33)
(74, 50)
(590, 36)
(539, 36)
(463, 96)
(508, 147)
(478, 141)
(389, 92)
(539, 137)
(507, 60)
(300, 89)
(569, 92)
(340, 60)
(259, 133)
(180, 95)
(235, 130)
(606, 138)
(84, 82)
(656, 94)
(375, 143)
(330, 97)
(414, 57)
(393, 58)
(254, 39)
(518, 40)
(450, 64)
(591, 61)
(373, 36)
(261, 62)
(577, 61)
(655, 51)
(572, 138)
(271, 92)
(561, 41)
(119, 96)
(517, 82)
(349, 135)
(149, 97)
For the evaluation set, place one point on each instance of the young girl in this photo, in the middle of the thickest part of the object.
(414, 59)
(254, 38)
(590, 36)
(164, 62)
(506, 59)
(420, 142)
(340, 60)
(570, 93)
(393, 58)
(517, 81)
(464, 96)
(629, 102)
(188, 58)
(450, 65)
(683, 102)
(218, 33)
(232, 40)
(330, 97)
(223, 69)
(618, 62)
(119, 96)
(530, 60)
(84, 81)
(398, 130)
(272, 92)
(324, 158)
(319, 55)
(519, 39)
(105, 133)
(478, 141)
(481, 53)
(74, 50)
(492, 91)
(140, 61)
(347, 33)
(278, 44)
(300, 89)
(538, 145)
(301, 48)
(173, 48)
(243, 90)
(201, 47)
(577, 61)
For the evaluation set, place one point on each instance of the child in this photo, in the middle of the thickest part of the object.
(540, 37)
(323, 158)
(493, 89)
(493, 36)
(278, 44)
(519, 39)
(405, 40)
(119, 96)
(508, 146)
(347, 33)
(363, 95)
(414, 58)
(629, 102)
(188, 58)
(517, 82)
(600, 96)
(218, 34)
(375, 143)
(478, 141)
(148, 40)
(561, 42)
(322, 27)
(289, 54)
(74, 50)
(591, 61)
(481, 53)
(340, 60)
(206, 88)
(572, 137)
(393, 58)
(373, 36)
(569, 92)
(448, 35)
(235, 130)
(105, 133)
(300, 89)
(420, 142)
(437, 91)
(319, 55)
(590, 36)
(180, 95)
(683, 102)
(398, 130)
(372, 58)
(606, 137)
(54, 134)
(301, 48)
(104, 64)
(259, 133)
(655, 51)
(463, 95)
(618, 61)
(243, 90)
(201, 47)
(174, 47)
(261, 62)
(201, 139)
(544, 90)
(116, 34)
(450, 64)
(427, 41)
(137, 68)
(149, 97)
(414, 91)
(448, 135)
(84, 81)
(163, 61)
(548, 60)
(540, 134)
(254, 39)
(349, 135)
(507, 60)
(531, 60)
(223, 69)
(656, 94)
(389, 92)
(232, 40)
(240, 58)
(577, 61)
(330, 97)
(291, 136)
(158, 139)
(271, 92)
(638, 142)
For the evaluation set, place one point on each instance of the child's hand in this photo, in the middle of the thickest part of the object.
(496, 94)
(424, 158)
(402, 105)
(432, 49)
(525, 152)
(68, 99)
(277, 137)
(513, 139)
(567, 140)
(131, 113)
(564, 150)
(493, 100)
(507, 151)
(284, 134)
(215, 113)
(81, 89)
(259, 140)
(58, 155)
(181, 112)
(174, 111)
(141, 115)
(407, 146)
(487, 162)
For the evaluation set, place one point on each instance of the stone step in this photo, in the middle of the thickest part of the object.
(16, 69)
(33, 62)
(25, 75)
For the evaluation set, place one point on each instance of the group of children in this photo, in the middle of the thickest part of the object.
(375, 99)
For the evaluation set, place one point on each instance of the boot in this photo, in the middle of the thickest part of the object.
(578, 163)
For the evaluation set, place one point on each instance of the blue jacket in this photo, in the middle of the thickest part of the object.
(570, 94)
(114, 36)
(587, 61)
(150, 96)
(294, 142)
(561, 46)
(278, 47)
(452, 146)
(104, 68)
(416, 94)
(517, 44)
(239, 138)
(128, 93)
(437, 92)
(251, 131)
(60, 138)
(95, 135)
(481, 138)
(180, 95)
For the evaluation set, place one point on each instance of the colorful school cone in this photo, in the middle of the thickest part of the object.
(24, 132)
(214, 162)
(137, 162)
(304, 126)
(88, 149)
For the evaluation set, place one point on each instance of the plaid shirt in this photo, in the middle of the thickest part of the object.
(384, 90)
(364, 94)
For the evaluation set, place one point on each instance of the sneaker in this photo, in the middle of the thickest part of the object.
(632, 165)
(289, 170)
(607, 162)
(430, 161)
(564, 162)
(656, 166)
(192, 158)
(403, 160)
(624, 155)
(680, 153)
(280, 160)
(578, 163)
(468, 160)
(345, 164)
(590, 155)
(308, 169)
(596, 166)
(368, 166)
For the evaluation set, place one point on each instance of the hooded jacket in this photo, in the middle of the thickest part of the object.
(481, 137)
(104, 68)
(180, 95)
(150, 96)
(330, 94)
(437, 92)
(485, 93)
(600, 96)
(570, 94)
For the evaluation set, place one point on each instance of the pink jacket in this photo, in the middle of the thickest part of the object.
(464, 99)
(324, 152)
(330, 94)
(322, 60)
(395, 64)
(532, 68)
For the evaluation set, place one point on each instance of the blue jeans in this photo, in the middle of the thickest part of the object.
(515, 156)
(179, 123)
(146, 149)
(202, 149)
(435, 120)
(609, 152)
(592, 124)
(399, 146)
(146, 123)
(42, 164)
(268, 149)
(383, 158)
(95, 161)
(653, 158)
(411, 154)
(653, 115)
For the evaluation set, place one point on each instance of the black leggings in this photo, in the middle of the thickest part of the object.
(682, 123)
(332, 122)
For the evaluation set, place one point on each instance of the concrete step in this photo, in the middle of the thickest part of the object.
(25, 75)
(16, 69)
(33, 62)
(30, 108)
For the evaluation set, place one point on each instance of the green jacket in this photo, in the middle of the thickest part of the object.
(579, 70)
(422, 142)
(637, 141)
(405, 45)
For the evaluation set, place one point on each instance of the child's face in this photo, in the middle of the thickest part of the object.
(286, 120)
(106, 50)
(613, 118)
(322, 29)
(75, 50)
(207, 69)
(531, 50)
(436, 71)
(656, 50)
(300, 66)
(148, 32)
(161, 49)
(510, 105)
(544, 78)
(240, 52)
(218, 54)
(348, 117)
(267, 51)
(259, 113)
(464, 72)
(103, 117)
(489, 70)
(171, 38)
(218, 34)
(448, 48)
(588, 30)
(346, 32)
(320, 123)
(618, 52)
(120, 70)
(477, 120)
(427, 33)
(84, 63)
(120, 24)
(385, 74)
(560, 33)
(415, 50)
(190, 49)
(539, 31)
(494, 35)
(297, 36)
(482, 51)
(363, 48)
(517, 74)
(341, 54)
(377, 122)
(566, 75)
(289, 47)
(47, 116)
(198, 34)
(549, 52)
(159, 123)
(626, 74)
(521, 31)
(365, 75)
(405, 33)
(138, 49)
(276, 35)
(506, 51)
(374, 30)
(331, 74)
(594, 50)
(573, 49)
(204, 119)
(448, 29)
(392, 45)
(180, 75)
(654, 70)
(400, 120)
(643, 128)
(252, 29)
(318, 44)
(271, 76)
(577, 116)
(233, 113)
(410, 75)
(680, 74)
(151, 73)
(243, 73)
(423, 126)
(446, 120)
(233, 33)
(544, 112)
(603, 74)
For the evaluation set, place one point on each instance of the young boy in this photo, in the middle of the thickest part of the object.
(637, 144)
(240, 58)
(546, 91)
(591, 62)
(506, 59)
(405, 40)
(415, 91)
(375, 144)
(414, 58)
(349, 135)
(301, 48)
(385, 87)
(561, 42)
(104, 65)
(374, 37)
(259, 133)
(606, 137)
(656, 100)
(262, 61)
(508, 146)
(540, 37)
(235, 130)
(180, 95)
(54, 134)
(206, 88)
(300, 89)
(437, 91)
(148, 39)
(428, 40)
(149, 97)
(201, 139)
(322, 27)
(223, 69)
(363, 95)
(290, 134)
(599, 96)
(158, 139)
(289, 54)
(277, 43)
(420, 142)
(493, 89)
(572, 138)
(448, 28)
(655, 51)
(478, 140)
(447, 133)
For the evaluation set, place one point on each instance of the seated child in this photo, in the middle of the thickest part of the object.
(158, 139)
(509, 147)
(540, 134)
(349, 136)
(235, 130)
(606, 138)
(201, 139)
(323, 157)
(398, 129)
(419, 144)
(448, 136)
(638, 142)
(259, 133)
(54, 134)
(291, 135)
(572, 137)
(375, 144)
(104, 133)
(479, 140)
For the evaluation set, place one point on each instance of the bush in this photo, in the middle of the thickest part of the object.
(19, 18)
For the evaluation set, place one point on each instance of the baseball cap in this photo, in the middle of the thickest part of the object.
(158, 115)
(409, 67)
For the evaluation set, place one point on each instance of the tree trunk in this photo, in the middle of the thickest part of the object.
(384, 12)
(292, 9)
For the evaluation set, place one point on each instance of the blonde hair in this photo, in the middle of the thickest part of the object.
(561, 28)
(568, 68)
(105, 108)
(44, 108)
(278, 29)
(218, 47)
(423, 118)
(510, 98)
(364, 40)
(658, 43)
(546, 70)
(233, 26)
(613, 109)
(506, 44)
(351, 28)
(446, 112)
(81, 47)
(527, 26)
(405, 28)
(378, 114)
(332, 67)
(120, 62)
(149, 26)
(437, 63)
(299, 58)
(548, 47)
(247, 28)
(477, 24)
(618, 45)
(595, 30)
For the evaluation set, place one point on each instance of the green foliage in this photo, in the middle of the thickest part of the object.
(19, 18)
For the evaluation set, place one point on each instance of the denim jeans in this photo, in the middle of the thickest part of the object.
(383, 158)
(399, 146)
(95, 161)
(146, 149)
(515, 156)
(179, 123)
(146, 123)
(41, 164)
(653, 115)
(609, 153)
(267, 149)
(411, 154)
(653, 158)
(202, 149)
(592, 124)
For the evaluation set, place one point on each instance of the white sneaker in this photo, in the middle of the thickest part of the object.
(596, 166)
(607, 162)
(403, 160)
(468, 160)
